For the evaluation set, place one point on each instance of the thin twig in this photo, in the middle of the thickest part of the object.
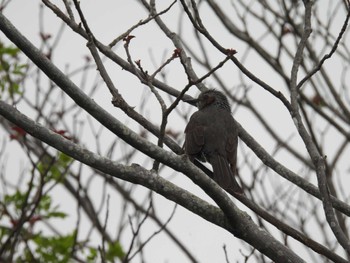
(92, 47)
(317, 159)
(154, 234)
(329, 55)
(140, 23)
(135, 232)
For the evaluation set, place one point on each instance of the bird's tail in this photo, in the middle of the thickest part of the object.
(224, 175)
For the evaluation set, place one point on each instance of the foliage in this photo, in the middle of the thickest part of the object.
(12, 70)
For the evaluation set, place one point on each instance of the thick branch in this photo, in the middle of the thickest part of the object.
(239, 223)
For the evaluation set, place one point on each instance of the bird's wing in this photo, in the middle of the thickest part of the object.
(194, 140)
(231, 143)
(231, 146)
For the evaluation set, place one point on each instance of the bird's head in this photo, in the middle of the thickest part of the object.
(214, 98)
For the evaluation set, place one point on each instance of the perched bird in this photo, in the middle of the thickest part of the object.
(211, 135)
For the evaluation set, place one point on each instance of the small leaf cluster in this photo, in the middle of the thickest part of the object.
(12, 70)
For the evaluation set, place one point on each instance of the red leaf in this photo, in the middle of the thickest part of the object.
(34, 219)
(14, 222)
(231, 51)
(45, 36)
(318, 100)
(19, 132)
(62, 133)
(128, 38)
(177, 53)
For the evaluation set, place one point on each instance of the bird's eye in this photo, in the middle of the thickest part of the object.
(208, 99)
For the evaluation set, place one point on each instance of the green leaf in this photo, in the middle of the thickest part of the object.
(12, 70)
(115, 250)
(64, 159)
(4, 231)
(14, 89)
(92, 256)
(45, 203)
(20, 69)
(5, 65)
(12, 51)
(56, 214)
(17, 199)
(55, 172)
(55, 249)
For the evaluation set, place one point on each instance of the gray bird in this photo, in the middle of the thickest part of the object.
(211, 135)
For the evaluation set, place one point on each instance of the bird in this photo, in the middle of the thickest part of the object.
(211, 135)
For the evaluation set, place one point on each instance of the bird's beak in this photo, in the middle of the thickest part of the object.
(191, 101)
